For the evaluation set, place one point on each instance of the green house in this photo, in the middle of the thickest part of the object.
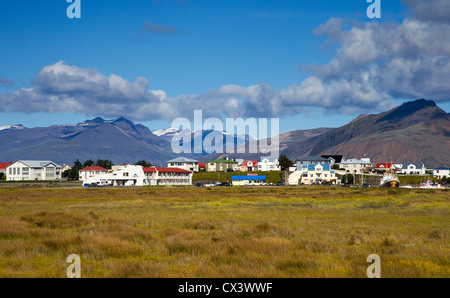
(220, 165)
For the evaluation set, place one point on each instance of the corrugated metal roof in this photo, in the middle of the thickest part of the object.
(182, 159)
(38, 163)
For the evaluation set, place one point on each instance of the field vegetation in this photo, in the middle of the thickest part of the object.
(224, 232)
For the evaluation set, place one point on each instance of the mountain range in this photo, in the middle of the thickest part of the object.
(416, 131)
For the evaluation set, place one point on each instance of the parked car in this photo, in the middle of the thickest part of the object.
(199, 185)
(281, 183)
(345, 184)
(230, 170)
(225, 184)
(366, 185)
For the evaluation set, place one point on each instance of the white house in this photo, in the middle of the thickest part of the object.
(356, 166)
(268, 164)
(90, 172)
(249, 166)
(132, 175)
(184, 163)
(413, 169)
(167, 176)
(65, 167)
(27, 170)
(313, 174)
(439, 173)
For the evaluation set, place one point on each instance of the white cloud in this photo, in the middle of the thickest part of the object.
(374, 64)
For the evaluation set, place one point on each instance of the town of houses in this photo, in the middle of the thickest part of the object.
(312, 170)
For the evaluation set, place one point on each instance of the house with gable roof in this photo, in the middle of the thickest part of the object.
(27, 170)
(184, 163)
(313, 174)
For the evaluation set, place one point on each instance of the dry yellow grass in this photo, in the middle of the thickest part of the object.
(224, 232)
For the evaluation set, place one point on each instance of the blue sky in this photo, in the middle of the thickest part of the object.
(191, 50)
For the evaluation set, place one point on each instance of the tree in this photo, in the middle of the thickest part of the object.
(106, 164)
(88, 163)
(143, 163)
(66, 173)
(73, 174)
(285, 162)
(2, 175)
(77, 165)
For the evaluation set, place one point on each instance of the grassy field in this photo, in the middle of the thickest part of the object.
(272, 177)
(224, 232)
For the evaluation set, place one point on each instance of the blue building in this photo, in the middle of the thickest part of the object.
(248, 180)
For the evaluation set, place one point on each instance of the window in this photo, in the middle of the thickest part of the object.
(10, 171)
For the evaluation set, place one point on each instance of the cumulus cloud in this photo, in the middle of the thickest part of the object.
(374, 64)
(430, 10)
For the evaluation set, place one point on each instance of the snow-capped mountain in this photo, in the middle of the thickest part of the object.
(17, 126)
(167, 132)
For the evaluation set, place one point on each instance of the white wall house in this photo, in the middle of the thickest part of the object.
(313, 174)
(413, 169)
(90, 172)
(249, 166)
(356, 166)
(268, 164)
(27, 170)
(184, 163)
(168, 176)
(132, 175)
(439, 173)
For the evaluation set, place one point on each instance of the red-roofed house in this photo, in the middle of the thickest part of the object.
(90, 172)
(202, 166)
(168, 176)
(135, 175)
(3, 166)
(249, 166)
(381, 167)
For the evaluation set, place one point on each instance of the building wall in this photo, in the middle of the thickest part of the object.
(412, 170)
(84, 175)
(134, 176)
(439, 174)
(21, 172)
(265, 165)
(219, 166)
(188, 166)
(309, 177)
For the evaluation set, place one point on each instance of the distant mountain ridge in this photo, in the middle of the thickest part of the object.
(416, 131)
(119, 140)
